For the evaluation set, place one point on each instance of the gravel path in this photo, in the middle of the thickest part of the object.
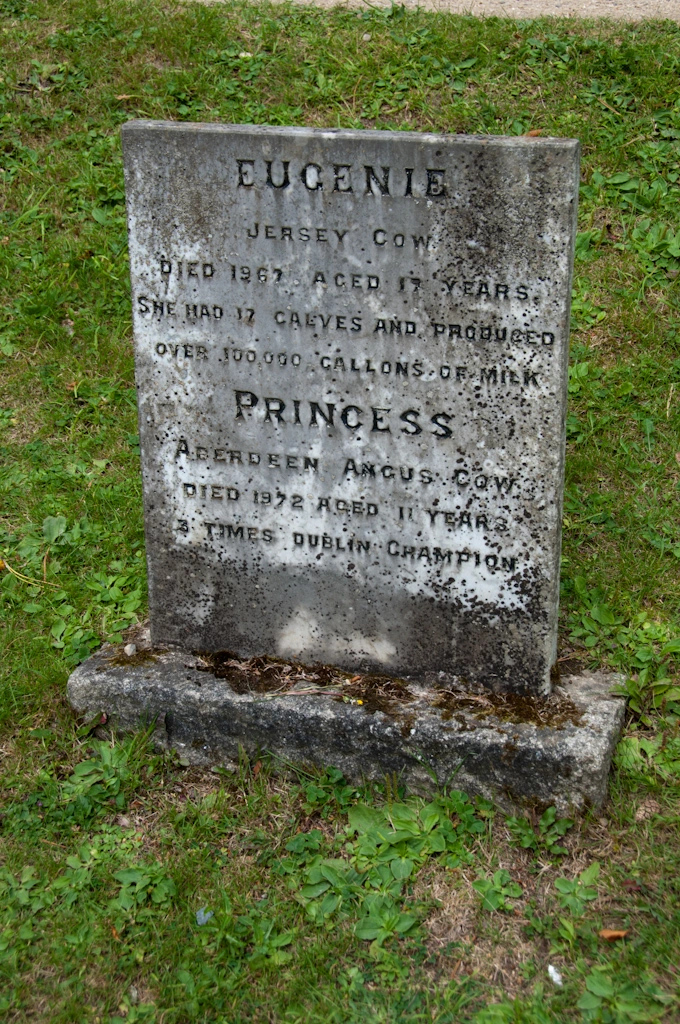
(627, 10)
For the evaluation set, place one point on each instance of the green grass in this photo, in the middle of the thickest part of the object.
(329, 903)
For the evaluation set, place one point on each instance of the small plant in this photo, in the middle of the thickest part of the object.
(143, 887)
(544, 839)
(327, 793)
(385, 846)
(517, 1011)
(95, 786)
(334, 880)
(267, 941)
(607, 1001)
(383, 919)
(574, 895)
(496, 891)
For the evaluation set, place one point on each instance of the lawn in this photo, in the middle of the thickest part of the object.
(135, 888)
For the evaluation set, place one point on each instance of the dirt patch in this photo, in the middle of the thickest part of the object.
(268, 675)
(466, 940)
(272, 676)
(378, 693)
(553, 712)
(454, 920)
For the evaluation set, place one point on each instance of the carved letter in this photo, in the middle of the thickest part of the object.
(372, 178)
(316, 177)
(246, 173)
(244, 400)
(286, 180)
(345, 417)
(315, 409)
(435, 183)
(275, 406)
(343, 182)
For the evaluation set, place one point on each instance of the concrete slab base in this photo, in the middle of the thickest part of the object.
(518, 752)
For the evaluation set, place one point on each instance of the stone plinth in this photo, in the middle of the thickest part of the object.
(518, 752)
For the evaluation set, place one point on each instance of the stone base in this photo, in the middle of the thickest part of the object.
(518, 752)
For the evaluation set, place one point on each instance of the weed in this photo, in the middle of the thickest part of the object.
(544, 839)
(573, 895)
(497, 890)
(608, 1000)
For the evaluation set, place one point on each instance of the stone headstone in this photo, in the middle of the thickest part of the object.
(351, 353)
(351, 357)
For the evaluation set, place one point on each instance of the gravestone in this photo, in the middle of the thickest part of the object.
(351, 353)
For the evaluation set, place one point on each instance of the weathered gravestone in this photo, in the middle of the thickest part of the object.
(351, 361)
(351, 357)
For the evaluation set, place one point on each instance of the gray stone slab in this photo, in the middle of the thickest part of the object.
(495, 750)
(351, 358)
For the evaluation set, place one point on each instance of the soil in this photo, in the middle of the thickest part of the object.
(552, 712)
(276, 676)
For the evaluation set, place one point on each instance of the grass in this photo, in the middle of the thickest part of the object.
(134, 889)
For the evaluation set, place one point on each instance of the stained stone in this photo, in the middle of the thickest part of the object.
(351, 358)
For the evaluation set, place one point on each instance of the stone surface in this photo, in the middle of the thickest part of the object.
(351, 357)
(486, 748)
